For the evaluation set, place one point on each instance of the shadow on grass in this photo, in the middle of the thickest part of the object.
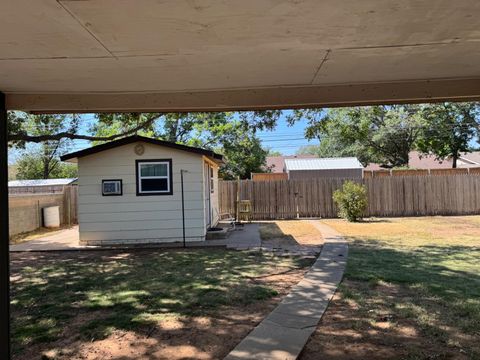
(403, 303)
(128, 290)
(443, 283)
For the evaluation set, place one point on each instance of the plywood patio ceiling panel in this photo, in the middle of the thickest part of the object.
(58, 55)
(43, 29)
(147, 27)
(458, 60)
(161, 73)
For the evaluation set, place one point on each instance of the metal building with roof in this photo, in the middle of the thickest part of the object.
(347, 167)
(41, 186)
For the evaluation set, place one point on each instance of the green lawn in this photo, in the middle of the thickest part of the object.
(103, 291)
(412, 286)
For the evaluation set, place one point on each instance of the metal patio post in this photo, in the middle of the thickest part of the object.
(4, 237)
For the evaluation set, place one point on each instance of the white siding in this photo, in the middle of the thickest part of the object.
(139, 219)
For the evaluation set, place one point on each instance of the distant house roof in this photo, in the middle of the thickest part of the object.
(41, 182)
(277, 163)
(323, 164)
(136, 138)
(418, 160)
(472, 158)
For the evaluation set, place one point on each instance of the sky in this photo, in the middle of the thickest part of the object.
(286, 139)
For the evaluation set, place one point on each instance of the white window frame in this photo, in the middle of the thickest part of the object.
(168, 177)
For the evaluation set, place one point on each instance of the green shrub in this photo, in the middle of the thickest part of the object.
(351, 201)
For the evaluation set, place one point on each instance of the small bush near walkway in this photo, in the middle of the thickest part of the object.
(351, 201)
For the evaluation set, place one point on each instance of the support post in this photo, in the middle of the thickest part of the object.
(4, 237)
(183, 208)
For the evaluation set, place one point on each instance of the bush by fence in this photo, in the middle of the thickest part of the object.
(387, 196)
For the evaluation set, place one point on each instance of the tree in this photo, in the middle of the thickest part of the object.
(113, 126)
(31, 166)
(271, 152)
(449, 130)
(225, 132)
(244, 154)
(43, 161)
(383, 134)
(20, 132)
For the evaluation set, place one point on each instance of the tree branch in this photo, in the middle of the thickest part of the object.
(73, 136)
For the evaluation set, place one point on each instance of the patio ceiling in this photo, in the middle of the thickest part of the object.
(178, 55)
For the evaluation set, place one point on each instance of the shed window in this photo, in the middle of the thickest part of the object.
(154, 177)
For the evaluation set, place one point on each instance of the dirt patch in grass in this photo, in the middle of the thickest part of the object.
(290, 233)
(145, 304)
(366, 321)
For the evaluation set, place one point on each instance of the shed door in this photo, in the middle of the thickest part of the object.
(208, 203)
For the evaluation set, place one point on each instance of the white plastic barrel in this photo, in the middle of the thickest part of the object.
(51, 217)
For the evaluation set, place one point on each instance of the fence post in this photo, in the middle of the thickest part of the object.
(39, 217)
(68, 204)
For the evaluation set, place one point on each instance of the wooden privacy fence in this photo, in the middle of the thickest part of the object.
(269, 176)
(420, 172)
(387, 196)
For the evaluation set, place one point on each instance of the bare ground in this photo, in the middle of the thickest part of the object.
(347, 331)
(285, 233)
(209, 336)
(411, 291)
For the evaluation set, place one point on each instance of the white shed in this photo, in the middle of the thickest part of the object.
(130, 191)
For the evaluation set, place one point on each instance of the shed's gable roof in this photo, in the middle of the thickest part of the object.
(323, 164)
(136, 138)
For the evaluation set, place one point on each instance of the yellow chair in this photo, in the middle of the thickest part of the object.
(245, 210)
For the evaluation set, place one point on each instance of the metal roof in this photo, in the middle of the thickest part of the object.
(323, 164)
(41, 182)
(276, 164)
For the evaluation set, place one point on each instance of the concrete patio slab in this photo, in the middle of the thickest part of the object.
(285, 331)
(245, 237)
(62, 239)
(68, 239)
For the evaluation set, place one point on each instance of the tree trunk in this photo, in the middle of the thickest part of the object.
(46, 171)
(454, 161)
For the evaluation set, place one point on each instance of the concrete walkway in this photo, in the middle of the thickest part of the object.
(285, 331)
(64, 239)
